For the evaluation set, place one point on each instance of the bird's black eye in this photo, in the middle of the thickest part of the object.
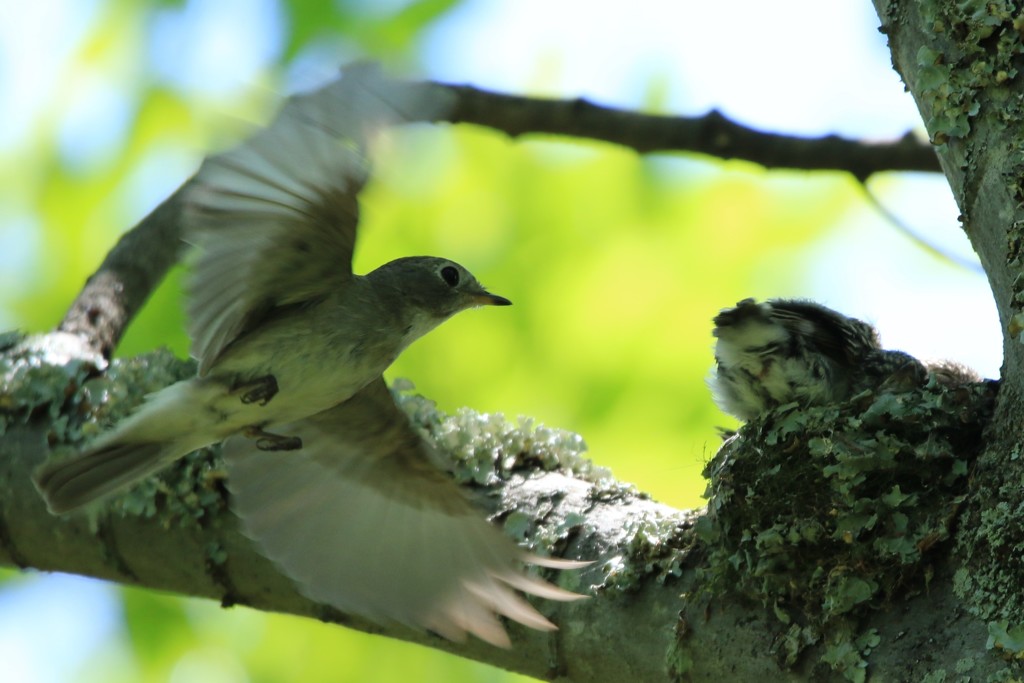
(450, 275)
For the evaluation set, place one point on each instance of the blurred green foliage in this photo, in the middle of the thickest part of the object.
(615, 263)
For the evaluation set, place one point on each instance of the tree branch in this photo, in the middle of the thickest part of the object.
(712, 134)
(136, 265)
(951, 60)
(176, 532)
(961, 62)
(113, 295)
(649, 617)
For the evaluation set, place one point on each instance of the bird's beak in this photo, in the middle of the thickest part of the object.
(483, 298)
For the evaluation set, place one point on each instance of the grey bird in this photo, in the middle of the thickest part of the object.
(281, 327)
(288, 339)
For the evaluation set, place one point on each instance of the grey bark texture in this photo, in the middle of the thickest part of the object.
(676, 595)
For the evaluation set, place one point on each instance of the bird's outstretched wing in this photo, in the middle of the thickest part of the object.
(275, 218)
(361, 520)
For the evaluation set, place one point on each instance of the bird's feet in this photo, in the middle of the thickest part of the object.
(265, 441)
(259, 390)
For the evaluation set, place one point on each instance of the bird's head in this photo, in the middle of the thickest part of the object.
(434, 289)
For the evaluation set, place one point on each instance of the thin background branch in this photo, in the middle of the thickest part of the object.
(921, 240)
(712, 134)
(138, 262)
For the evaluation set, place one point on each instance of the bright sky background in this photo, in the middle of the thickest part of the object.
(746, 58)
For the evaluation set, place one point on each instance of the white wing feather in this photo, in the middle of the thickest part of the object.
(362, 521)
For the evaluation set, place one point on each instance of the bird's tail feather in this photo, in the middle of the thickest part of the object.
(70, 484)
(166, 427)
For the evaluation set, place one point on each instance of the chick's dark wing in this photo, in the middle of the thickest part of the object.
(361, 520)
(835, 335)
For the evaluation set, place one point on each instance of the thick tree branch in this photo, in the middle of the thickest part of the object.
(648, 617)
(177, 533)
(962, 63)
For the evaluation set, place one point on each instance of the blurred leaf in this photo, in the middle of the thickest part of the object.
(383, 35)
(400, 31)
(156, 625)
(160, 323)
(312, 18)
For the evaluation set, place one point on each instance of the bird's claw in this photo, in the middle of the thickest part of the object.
(266, 441)
(279, 443)
(260, 390)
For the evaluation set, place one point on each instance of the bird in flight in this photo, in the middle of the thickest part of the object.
(326, 473)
